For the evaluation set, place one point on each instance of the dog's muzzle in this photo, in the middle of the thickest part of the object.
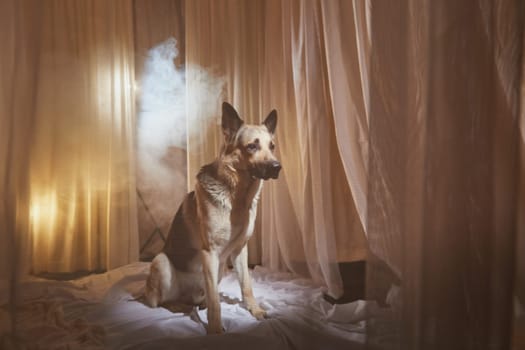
(266, 171)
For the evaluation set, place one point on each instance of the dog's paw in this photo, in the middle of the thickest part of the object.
(257, 312)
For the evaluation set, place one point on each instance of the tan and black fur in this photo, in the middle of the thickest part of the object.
(215, 221)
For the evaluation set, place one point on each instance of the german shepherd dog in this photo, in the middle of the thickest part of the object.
(215, 221)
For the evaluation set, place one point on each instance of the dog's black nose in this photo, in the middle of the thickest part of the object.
(275, 167)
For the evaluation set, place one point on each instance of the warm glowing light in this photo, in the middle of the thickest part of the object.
(43, 212)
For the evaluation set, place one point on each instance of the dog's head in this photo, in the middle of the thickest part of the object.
(252, 145)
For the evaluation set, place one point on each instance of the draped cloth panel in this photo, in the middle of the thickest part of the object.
(443, 170)
(328, 223)
(347, 36)
(17, 93)
(70, 129)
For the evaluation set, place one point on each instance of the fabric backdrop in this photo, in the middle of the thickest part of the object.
(443, 169)
(67, 125)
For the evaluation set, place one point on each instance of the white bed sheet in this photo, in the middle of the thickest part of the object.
(102, 312)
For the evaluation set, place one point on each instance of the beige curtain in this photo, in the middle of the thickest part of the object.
(346, 36)
(17, 67)
(67, 154)
(316, 207)
(443, 169)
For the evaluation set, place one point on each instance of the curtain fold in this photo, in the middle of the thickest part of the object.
(328, 225)
(17, 94)
(346, 34)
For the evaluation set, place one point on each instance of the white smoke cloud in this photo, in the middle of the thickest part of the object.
(162, 111)
(162, 119)
(166, 120)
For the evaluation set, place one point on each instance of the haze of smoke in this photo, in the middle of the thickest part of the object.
(166, 120)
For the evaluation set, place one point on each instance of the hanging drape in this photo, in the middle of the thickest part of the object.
(67, 164)
(17, 93)
(443, 169)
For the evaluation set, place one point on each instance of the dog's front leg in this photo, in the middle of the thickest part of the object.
(240, 263)
(210, 264)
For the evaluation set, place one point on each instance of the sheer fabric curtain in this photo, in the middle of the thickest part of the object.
(347, 44)
(67, 154)
(314, 204)
(17, 93)
(443, 170)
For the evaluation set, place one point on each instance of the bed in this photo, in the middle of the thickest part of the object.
(104, 311)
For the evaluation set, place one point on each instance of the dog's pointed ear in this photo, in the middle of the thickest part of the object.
(271, 121)
(231, 122)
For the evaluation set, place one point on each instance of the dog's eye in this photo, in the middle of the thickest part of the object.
(251, 147)
(272, 146)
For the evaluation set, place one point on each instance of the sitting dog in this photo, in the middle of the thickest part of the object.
(215, 221)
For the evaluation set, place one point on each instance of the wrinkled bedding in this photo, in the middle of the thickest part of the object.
(104, 311)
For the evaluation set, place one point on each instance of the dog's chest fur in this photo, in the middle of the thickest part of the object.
(228, 200)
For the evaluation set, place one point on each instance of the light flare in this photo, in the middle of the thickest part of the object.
(43, 213)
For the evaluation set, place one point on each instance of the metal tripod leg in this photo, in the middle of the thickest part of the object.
(155, 231)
